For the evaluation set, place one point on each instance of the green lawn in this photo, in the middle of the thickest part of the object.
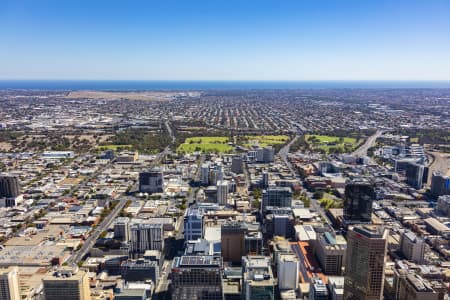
(217, 144)
(326, 142)
(265, 140)
(207, 140)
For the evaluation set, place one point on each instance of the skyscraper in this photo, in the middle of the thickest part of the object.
(359, 195)
(9, 284)
(366, 254)
(196, 277)
(193, 224)
(9, 190)
(146, 237)
(151, 181)
(276, 197)
(440, 184)
(236, 165)
(222, 192)
(122, 228)
(412, 247)
(68, 284)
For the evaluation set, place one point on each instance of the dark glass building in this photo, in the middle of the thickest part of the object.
(359, 195)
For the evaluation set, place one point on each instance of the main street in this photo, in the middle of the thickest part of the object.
(95, 234)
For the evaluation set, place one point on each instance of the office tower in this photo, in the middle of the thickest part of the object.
(193, 224)
(204, 174)
(233, 241)
(276, 197)
(412, 247)
(359, 195)
(237, 165)
(122, 229)
(279, 222)
(414, 175)
(330, 251)
(440, 184)
(151, 181)
(140, 270)
(67, 284)
(9, 190)
(318, 290)
(222, 192)
(215, 174)
(268, 154)
(444, 205)
(265, 180)
(196, 277)
(144, 237)
(366, 255)
(9, 283)
(257, 278)
(287, 271)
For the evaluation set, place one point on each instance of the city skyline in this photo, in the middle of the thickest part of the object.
(233, 40)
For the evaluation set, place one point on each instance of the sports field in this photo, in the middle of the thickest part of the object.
(333, 143)
(206, 144)
(265, 140)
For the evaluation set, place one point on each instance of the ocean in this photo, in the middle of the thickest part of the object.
(124, 85)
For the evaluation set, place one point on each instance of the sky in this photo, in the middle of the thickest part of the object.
(225, 40)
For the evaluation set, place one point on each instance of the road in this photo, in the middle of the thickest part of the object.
(95, 234)
(441, 163)
(370, 142)
(304, 272)
(284, 152)
(314, 204)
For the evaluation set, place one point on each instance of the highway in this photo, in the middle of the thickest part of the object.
(370, 142)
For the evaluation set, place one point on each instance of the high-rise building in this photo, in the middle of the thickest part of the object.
(276, 197)
(151, 181)
(9, 190)
(444, 205)
(265, 180)
(204, 174)
(359, 195)
(237, 165)
(288, 271)
(233, 241)
(68, 284)
(193, 224)
(196, 277)
(414, 174)
(365, 262)
(440, 184)
(9, 283)
(122, 229)
(257, 278)
(330, 252)
(222, 192)
(412, 247)
(140, 270)
(145, 236)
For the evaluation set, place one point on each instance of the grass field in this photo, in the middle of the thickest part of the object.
(113, 147)
(265, 140)
(327, 143)
(218, 144)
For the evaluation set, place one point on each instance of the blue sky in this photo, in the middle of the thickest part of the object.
(225, 40)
